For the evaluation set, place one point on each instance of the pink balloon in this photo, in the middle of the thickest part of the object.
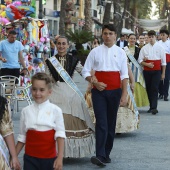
(17, 3)
(47, 40)
(42, 39)
(4, 21)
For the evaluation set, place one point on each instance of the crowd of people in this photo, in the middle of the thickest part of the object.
(123, 75)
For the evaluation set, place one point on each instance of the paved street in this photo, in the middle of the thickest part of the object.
(148, 148)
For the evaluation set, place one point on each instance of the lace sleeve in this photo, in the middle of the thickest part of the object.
(6, 125)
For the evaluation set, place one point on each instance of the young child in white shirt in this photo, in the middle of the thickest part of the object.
(41, 125)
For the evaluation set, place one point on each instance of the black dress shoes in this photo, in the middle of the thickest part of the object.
(154, 111)
(107, 160)
(160, 96)
(99, 161)
(166, 99)
(149, 111)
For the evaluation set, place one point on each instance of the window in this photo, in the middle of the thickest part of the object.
(55, 4)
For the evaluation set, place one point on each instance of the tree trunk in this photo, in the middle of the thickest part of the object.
(87, 13)
(106, 18)
(62, 17)
(118, 21)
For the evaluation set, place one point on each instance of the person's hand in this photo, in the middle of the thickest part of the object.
(58, 164)
(123, 100)
(162, 76)
(3, 60)
(94, 79)
(150, 65)
(15, 164)
(145, 58)
(24, 71)
(100, 86)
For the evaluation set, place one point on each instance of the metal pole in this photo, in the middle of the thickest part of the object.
(40, 15)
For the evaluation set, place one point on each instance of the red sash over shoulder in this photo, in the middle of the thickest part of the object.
(167, 58)
(40, 144)
(157, 65)
(111, 78)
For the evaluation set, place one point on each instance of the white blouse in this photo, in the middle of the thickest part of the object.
(106, 59)
(153, 52)
(41, 117)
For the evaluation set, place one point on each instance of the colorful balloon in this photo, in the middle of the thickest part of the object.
(26, 9)
(9, 13)
(3, 21)
(3, 14)
(2, 7)
(8, 1)
(17, 3)
(15, 11)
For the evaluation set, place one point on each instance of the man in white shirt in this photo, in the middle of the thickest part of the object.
(109, 63)
(164, 85)
(152, 57)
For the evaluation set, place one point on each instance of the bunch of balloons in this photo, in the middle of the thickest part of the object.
(13, 11)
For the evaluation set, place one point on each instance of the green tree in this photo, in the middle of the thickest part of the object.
(162, 7)
(79, 38)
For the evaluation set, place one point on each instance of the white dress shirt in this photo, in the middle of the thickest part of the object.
(121, 44)
(153, 52)
(41, 117)
(106, 59)
(165, 45)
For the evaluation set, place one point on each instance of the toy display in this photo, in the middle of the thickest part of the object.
(33, 33)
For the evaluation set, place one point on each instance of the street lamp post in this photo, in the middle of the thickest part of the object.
(40, 15)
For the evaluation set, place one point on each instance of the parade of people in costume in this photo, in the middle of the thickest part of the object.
(122, 76)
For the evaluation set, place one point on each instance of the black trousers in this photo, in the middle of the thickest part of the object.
(164, 88)
(12, 72)
(164, 84)
(105, 104)
(152, 80)
(7, 71)
(32, 163)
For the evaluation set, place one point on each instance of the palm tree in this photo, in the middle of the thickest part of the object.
(79, 38)
(62, 17)
(106, 18)
(87, 13)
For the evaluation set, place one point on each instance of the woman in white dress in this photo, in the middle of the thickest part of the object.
(79, 127)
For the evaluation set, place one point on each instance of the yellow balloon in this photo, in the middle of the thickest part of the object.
(3, 14)
(2, 7)
(40, 65)
(8, 1)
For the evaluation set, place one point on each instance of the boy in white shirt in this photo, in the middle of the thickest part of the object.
(152, 58)
(41, 125)
(164, 84)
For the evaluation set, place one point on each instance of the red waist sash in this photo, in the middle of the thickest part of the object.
(157, 65)
(111, 78)
(40, 144)
(167, 58)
